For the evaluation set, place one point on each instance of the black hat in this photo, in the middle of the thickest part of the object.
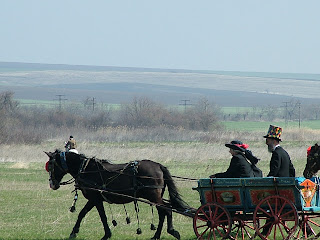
(237, 145)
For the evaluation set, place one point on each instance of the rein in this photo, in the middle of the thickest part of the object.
(106, 182)
(186, 212)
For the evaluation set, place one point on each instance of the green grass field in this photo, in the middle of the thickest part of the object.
(30, 210)
(251, 126)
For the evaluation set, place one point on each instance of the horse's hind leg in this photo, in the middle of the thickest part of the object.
(82, 214)
(162, 215)
(170, 228)
(103, 217)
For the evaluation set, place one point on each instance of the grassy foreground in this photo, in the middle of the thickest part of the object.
(30, 210)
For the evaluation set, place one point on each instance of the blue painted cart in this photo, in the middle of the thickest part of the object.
(270, 208)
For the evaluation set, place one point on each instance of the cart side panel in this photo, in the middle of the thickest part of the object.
(227, 192)
(257, 189)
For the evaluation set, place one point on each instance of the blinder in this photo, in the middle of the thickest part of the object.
(50, 168)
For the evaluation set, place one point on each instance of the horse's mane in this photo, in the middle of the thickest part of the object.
(83, 156)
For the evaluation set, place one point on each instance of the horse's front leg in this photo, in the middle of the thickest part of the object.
(82, 214)
(103, 217)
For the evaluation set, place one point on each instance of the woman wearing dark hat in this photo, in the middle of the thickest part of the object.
(240, 166)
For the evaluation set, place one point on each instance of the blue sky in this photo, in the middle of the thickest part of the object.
(238, 35)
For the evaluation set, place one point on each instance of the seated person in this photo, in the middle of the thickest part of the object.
(240, 166)
(71, 145)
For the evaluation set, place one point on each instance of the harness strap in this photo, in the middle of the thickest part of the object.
(63, 161)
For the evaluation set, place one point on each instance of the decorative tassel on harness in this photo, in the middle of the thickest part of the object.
(73, 207)
(127, 217)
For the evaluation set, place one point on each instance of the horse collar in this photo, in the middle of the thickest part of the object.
(63, 161)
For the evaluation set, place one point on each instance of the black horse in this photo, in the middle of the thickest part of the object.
(313, 161)
(99, 181)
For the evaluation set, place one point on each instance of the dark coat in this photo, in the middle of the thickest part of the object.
(280, 164)
(239, 168)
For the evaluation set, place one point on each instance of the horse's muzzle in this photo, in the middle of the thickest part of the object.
(54, 185)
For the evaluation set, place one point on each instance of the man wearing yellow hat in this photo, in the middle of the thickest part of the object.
(280, 164)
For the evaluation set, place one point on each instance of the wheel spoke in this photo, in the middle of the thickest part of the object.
(210, 232)
(220, 233)
(267, 224)
(285, 226)
(285, 214)
(313, 222)
(270, 208)
(211, 221)
(204, 213)
(282, 207)
(281, 230)
(204, 232)
(264, 211)
(201, 226)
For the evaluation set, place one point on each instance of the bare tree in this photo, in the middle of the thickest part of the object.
(7, 103)
(142, 112)
(203, 115)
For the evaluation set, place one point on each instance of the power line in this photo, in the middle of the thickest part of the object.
(60, 99)
(286, 113)
(185, 104)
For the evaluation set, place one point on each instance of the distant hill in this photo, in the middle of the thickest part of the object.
(121, 84)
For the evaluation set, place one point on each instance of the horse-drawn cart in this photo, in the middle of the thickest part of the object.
(270, 208)
(235, 208)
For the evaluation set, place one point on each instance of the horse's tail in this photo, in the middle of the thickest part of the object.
(175, 198)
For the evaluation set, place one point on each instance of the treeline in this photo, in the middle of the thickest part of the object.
(142, 119)
(33, 124)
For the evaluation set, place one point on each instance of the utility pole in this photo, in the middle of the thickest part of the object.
(60, 99)
(286, 113)
(93, 103)
(185, 104)
(299, 106)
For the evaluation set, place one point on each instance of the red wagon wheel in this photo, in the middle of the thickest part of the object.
(275, 217)
(309, 227)
(242, 229)
(212, 221)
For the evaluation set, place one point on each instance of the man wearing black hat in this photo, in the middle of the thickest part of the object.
(239, 166)
(280, 164)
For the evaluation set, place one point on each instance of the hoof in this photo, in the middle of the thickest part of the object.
(107, 236)
(72, 236)
(74, 233)
(174, 233)
(152, 227)
(155, 237)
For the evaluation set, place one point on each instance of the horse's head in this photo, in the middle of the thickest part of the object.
(313, 161)
(57, 168)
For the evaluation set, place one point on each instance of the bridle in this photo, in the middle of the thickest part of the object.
(52, 163)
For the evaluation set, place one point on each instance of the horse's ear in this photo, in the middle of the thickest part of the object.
(49, 154)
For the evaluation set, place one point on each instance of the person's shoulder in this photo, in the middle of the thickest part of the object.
(239, 156)
(281, 151)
